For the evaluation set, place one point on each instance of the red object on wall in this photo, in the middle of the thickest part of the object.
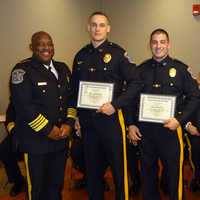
(196, 9)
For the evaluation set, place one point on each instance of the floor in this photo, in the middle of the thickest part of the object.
(69, 193)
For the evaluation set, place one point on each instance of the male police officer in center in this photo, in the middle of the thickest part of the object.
(103, 61)
(163, 75)
(40, 92)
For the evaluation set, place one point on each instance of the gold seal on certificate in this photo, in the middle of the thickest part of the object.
(92, 95)
(156, 108)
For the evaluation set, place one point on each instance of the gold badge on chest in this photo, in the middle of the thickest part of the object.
(172, 72)
(107, 58)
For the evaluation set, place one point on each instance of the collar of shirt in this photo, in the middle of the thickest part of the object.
(53, 70)
(99, 48)
(163, 62)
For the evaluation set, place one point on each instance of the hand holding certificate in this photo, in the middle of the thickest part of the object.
(93, 95)
(156, 108)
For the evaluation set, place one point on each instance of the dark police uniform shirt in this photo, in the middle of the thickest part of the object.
(40, 102)
(198, 119)
(195, 119)
(170, 77)
(108, 63)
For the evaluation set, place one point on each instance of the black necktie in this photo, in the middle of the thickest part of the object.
(49, 69)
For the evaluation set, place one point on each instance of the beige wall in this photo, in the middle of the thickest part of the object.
(65, 20)
(133, 20)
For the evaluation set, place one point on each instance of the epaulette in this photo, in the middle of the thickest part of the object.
(84, 48)
(115, 46)
(59, 62)
(25, 60)
(63, 64)
(178, 61)
(144, 62)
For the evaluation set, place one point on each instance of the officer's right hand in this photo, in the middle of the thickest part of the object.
(55, 133)
(134, 134)
(171, 123)
(107, 109)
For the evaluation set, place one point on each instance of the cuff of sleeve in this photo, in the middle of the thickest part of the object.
(114, 104)
(40, 125)
(71, 113)
(181, 119)
(46, 130)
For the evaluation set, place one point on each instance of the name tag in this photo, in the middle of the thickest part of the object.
(42, 83)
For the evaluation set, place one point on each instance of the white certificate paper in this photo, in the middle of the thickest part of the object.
(92, 95)
(156, 108)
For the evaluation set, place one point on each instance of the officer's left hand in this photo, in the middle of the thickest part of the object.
(171, 124)
(106, 108)
(193, 130)
(65, 130)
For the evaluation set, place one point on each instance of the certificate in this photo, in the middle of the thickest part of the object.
(92, 95)
(156, 108)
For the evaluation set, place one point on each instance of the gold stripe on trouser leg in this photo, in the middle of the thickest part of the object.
(190, 154)
(28, 176)
(121, 120)
(180, 183)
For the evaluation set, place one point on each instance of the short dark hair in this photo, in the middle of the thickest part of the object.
(38, 34)
(158, 31)
(99, 13)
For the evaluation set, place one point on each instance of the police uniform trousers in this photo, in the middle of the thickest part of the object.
(133, 158)
(9, 159)
(45, 175)
(77, 154)
(159, 142)
(195, 155)
(102, 139)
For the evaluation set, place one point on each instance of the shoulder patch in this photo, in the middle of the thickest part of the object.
(128, 57)
(189, 69)
(18, 76)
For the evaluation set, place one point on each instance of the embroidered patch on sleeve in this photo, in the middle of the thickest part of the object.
(18, 76)
(189, 69)
(128, 57)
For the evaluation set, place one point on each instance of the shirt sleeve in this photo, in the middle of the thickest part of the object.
(21, 93)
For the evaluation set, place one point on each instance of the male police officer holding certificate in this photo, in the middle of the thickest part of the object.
(105, 62)
(163, 75)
